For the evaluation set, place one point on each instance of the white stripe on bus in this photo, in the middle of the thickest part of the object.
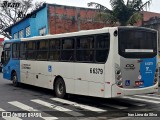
(151, 101)
(9, 118)
(28, 108)
(79, 105)
(144, 96)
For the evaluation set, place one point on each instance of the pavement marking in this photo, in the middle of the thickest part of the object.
(58, 108)
(131, 103)
(144, 96)
(78, 105)
(28, 108)
(22, 106)
(151, 101)
(154, 95)
(9, 118)
(116, 106)
(2, 109)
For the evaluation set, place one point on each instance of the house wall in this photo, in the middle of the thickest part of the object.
(64, 19)
(35, 24)
(39, 22)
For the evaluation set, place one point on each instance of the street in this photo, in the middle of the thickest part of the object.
(28, 99)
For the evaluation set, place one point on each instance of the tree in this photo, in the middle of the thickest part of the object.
(122, 13)
(11, 11)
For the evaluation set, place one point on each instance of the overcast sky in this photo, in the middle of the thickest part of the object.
(155, 6)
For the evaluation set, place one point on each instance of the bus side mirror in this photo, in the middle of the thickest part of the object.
(2, 57)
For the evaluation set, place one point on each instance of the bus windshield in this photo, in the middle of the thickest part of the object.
(137, 43)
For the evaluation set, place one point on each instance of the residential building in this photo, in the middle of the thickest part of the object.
(55, 19)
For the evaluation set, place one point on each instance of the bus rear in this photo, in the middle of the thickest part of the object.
(136, 70)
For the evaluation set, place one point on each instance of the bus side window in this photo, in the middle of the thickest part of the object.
(23, 48)
(67, 49)
(15, 50)
(42, 50)
(85, 49)
(102, 47)
(54, 47)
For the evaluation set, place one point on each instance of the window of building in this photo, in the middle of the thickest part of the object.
(42, 31)
(28, 31)
(15, 35)
(21, 34)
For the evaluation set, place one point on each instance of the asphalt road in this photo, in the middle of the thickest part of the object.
(25, 102)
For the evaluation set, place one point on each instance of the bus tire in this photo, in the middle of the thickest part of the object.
(15, 79)
(60, 88)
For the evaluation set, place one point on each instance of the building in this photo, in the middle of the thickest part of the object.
(54, 19)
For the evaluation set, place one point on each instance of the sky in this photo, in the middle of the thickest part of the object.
(155, 6)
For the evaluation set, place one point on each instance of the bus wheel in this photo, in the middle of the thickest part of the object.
(15, 80)
(60, 88)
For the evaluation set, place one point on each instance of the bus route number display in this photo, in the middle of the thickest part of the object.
(96, 71)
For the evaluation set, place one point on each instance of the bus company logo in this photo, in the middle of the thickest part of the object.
(129, 67)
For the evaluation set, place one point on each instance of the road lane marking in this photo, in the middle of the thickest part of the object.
(143, 96)
(131, 102)
(78, 105)
(58, 108)
(151, 101)
(154, 95)
(116, 106)
(9, 118)
(28, 108)
(2, 109)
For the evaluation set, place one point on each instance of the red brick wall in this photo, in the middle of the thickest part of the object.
(146, 16)
(70, 19)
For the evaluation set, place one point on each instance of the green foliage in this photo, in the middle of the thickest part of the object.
(122, 12)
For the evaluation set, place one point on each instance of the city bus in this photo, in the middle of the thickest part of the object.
(108, 62)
